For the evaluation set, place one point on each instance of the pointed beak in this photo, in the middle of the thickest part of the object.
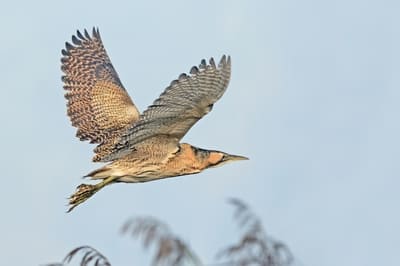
(231, 158)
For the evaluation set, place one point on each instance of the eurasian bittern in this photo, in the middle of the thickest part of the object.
(144, 147)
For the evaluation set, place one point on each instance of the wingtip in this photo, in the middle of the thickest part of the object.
(225, 60)
(64, 52)
(80, 35)
(222, 61)
(203, 64)
(87, 35)
(68, 46)
(182, 76)
(96, 32)
(173, 83)
(212, 62)
(76, 41)
(194, 70)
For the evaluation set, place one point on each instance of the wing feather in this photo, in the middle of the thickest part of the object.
(179, 107)
(97, 102)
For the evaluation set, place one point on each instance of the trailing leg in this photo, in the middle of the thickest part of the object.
(85, 191)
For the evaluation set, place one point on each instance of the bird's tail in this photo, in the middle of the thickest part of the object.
(102, 173)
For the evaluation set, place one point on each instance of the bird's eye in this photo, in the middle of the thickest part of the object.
(178, 150)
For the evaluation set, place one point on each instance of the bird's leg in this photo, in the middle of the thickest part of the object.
(85, 191)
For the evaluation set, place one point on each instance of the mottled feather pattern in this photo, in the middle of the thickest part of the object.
(179, 107)
(98, 104)
(139, 148)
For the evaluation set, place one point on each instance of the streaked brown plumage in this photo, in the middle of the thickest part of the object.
(144, 147)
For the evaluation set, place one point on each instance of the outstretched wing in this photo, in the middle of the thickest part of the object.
(179, 107)
(98, 104)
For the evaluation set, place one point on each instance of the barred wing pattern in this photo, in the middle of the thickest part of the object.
(178, 108)
(98, 104)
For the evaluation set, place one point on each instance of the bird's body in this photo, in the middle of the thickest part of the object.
(138, 147)
(154, 162)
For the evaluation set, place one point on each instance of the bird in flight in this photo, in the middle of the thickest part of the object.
(137, 147)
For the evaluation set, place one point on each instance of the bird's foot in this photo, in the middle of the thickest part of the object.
(85, 191)
(82, 193)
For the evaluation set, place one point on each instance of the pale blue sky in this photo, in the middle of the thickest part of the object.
(313, 101)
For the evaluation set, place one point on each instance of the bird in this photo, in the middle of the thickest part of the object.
(137, 147)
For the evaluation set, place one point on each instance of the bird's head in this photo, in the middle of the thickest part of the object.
(218, 158)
